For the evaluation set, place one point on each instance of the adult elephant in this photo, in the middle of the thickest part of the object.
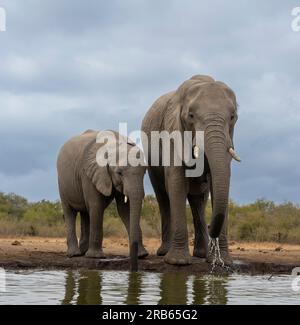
(88, 187)
(199, 104)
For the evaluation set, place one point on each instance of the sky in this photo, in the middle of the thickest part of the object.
(67, 66)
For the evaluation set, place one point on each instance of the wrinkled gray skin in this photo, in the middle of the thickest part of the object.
(87, 188)
(200, 104)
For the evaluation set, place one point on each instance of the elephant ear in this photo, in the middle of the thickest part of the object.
(98, 175)
(172, 120)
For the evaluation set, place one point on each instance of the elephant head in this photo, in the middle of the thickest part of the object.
(117, 165)
(203, 104)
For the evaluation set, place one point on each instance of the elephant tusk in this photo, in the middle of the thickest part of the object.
(196, 152)
(234, 155)
(125, 199)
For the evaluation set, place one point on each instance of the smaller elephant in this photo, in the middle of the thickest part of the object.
(87, 187)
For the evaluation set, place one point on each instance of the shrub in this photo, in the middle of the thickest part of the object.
(259, 221)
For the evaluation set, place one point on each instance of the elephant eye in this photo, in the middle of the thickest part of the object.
(119, 173)
(191, 115)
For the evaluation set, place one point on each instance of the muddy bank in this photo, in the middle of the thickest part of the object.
(46, 253)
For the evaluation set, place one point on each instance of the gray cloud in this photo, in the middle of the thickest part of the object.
(66, 66)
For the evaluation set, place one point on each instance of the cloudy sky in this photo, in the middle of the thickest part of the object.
(66, 66)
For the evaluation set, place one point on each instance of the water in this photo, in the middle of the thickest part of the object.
(215, 253)
(113, 288)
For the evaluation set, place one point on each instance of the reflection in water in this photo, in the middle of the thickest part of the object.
(210, 290)
(89, 288)
(134, 289)
(110, 288)
(70, 289)
(217, 291)
(174, 289)
(200, 291)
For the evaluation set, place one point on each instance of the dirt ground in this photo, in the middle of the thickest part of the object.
(49, 253)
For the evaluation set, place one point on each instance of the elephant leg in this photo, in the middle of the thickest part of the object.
(164, 208)
(96, 211)
(178, 253)
(85, 232)
(70, 220)
(198, 204)
(124, 213)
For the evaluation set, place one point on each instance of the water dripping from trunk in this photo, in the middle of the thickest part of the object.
(215, 254)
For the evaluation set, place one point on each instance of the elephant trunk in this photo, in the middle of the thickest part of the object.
(217, 156)
(135, 201)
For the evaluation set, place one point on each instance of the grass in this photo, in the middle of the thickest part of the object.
(261, 221)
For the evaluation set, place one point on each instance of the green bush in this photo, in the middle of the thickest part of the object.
(47, 212)
(259, 221)
(12, 205)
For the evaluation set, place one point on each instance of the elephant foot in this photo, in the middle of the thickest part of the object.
(142, 252)
(227, 258)
(200, 252)
(178, 257)
(83, 249)
(163, 249)
(73, 252)
(95, 253)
